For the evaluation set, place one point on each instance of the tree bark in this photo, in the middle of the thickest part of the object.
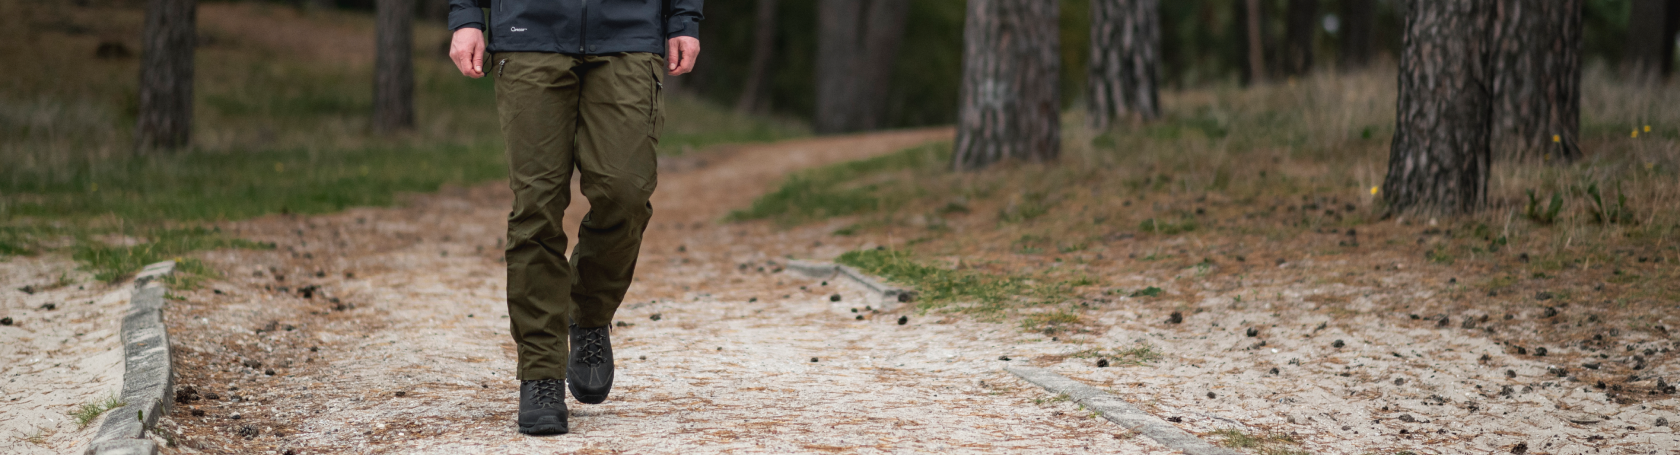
(1438, 163)
(1254, 37)
(1358, 44)
(320, 4)
(393, 80)
(166, 75)
(758, 72)
(857, 44)
(1301, 26)
(1125, 61)
(1651, 28)
(1536, 80)
(1011, 91)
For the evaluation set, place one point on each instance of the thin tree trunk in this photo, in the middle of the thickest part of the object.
(1358, 43)
(857, 42)
(1254, 29)
(764, 44)
(1301, 27)
(1438, 163)
(1011, 93)
(1651, 28)
(1125, 61)
(393, 80)
(1536, 83)
(166, 75)
(320, 4)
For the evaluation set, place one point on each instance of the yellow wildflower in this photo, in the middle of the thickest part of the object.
(1373, 191)
(1635, 134)
(1647, 128)
(1557, 138)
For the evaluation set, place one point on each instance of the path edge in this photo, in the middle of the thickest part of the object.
(148, 376)
(827, 270)
(1120, 412)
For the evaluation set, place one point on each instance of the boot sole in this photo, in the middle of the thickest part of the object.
(588, 399)
(544, 426)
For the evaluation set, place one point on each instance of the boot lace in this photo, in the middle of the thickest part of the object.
(590, 351)
(548, 393)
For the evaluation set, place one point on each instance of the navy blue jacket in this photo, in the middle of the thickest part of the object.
(579, 26)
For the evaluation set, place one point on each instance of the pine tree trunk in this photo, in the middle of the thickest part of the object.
(1254, 38)
(166, 75)
(320, 4)
(1536, 80)
(758, 72)
(1651, 28)
(1301, 20)
(857, 44)
(1125, 61)
(393, 77)
(1438, 163)
(1358, 44)
(1010, 98)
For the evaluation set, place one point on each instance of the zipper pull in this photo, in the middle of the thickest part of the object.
(500, 67)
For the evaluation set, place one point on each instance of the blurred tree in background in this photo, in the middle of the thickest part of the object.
(1203, 43)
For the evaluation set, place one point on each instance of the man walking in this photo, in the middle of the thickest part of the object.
(577, 87)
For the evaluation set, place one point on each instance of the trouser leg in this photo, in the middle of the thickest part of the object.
(618, 129)
(537, 100)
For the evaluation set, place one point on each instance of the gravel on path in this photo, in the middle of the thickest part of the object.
(384, 330)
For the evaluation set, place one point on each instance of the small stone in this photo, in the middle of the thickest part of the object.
(642, 358)
(1661, 422)
(1337, 344)
(1486, 358)
(854, 310)
(49, 306)
(1590, 365)
(1399, 381)
(1003, 358)
(813, 360)
(1102, 363)
(1550, 312)
(903, 320)
(197, 413)
(1443, 322)
(1540, 352)
(1273, 371)
(1175, 419)
(1520, 449)
(235, 416)
(860, 317)
(655, 317)
(249, 431)
(834, 298)
(1175, 318)
(1511, 374)
(1543, 295)
(401, 393)
(252, 364)
(6, 321)
(1522, 350)
(213, 396)
(1407, 418)
(269, 372)
(1212, 396)
(1253, 332)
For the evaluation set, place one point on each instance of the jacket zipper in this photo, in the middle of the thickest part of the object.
(501, 67)
(583, 29)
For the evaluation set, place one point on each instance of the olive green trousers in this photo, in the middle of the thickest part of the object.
(599, 115)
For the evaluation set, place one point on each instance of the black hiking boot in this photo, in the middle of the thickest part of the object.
(542, 407)
(589, 372)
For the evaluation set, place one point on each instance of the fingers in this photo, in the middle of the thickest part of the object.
(691, 53)
(478, 60)
(466, 50)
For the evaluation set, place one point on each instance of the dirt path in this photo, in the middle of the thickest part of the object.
(388, 334)
(59, 349)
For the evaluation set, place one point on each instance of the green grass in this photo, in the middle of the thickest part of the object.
(85, 414)
(843, 189)
(1134, 356)
(114, 263)
(1266, 444)
(937, 286)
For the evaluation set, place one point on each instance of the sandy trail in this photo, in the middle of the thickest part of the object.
(60, 350)
(385, 331)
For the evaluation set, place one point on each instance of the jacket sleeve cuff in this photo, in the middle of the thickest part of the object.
(460, 18)
(682, 26)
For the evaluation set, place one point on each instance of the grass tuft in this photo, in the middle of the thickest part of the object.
(843, 189)
(1263, 444)
(113, 263)
(85, 414)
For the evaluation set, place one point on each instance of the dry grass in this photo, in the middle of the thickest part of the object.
(1234, 186)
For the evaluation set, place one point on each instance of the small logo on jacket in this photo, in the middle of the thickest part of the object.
(515, 29)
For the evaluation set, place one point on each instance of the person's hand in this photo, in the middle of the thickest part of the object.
(680, 53)
(466, 49)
